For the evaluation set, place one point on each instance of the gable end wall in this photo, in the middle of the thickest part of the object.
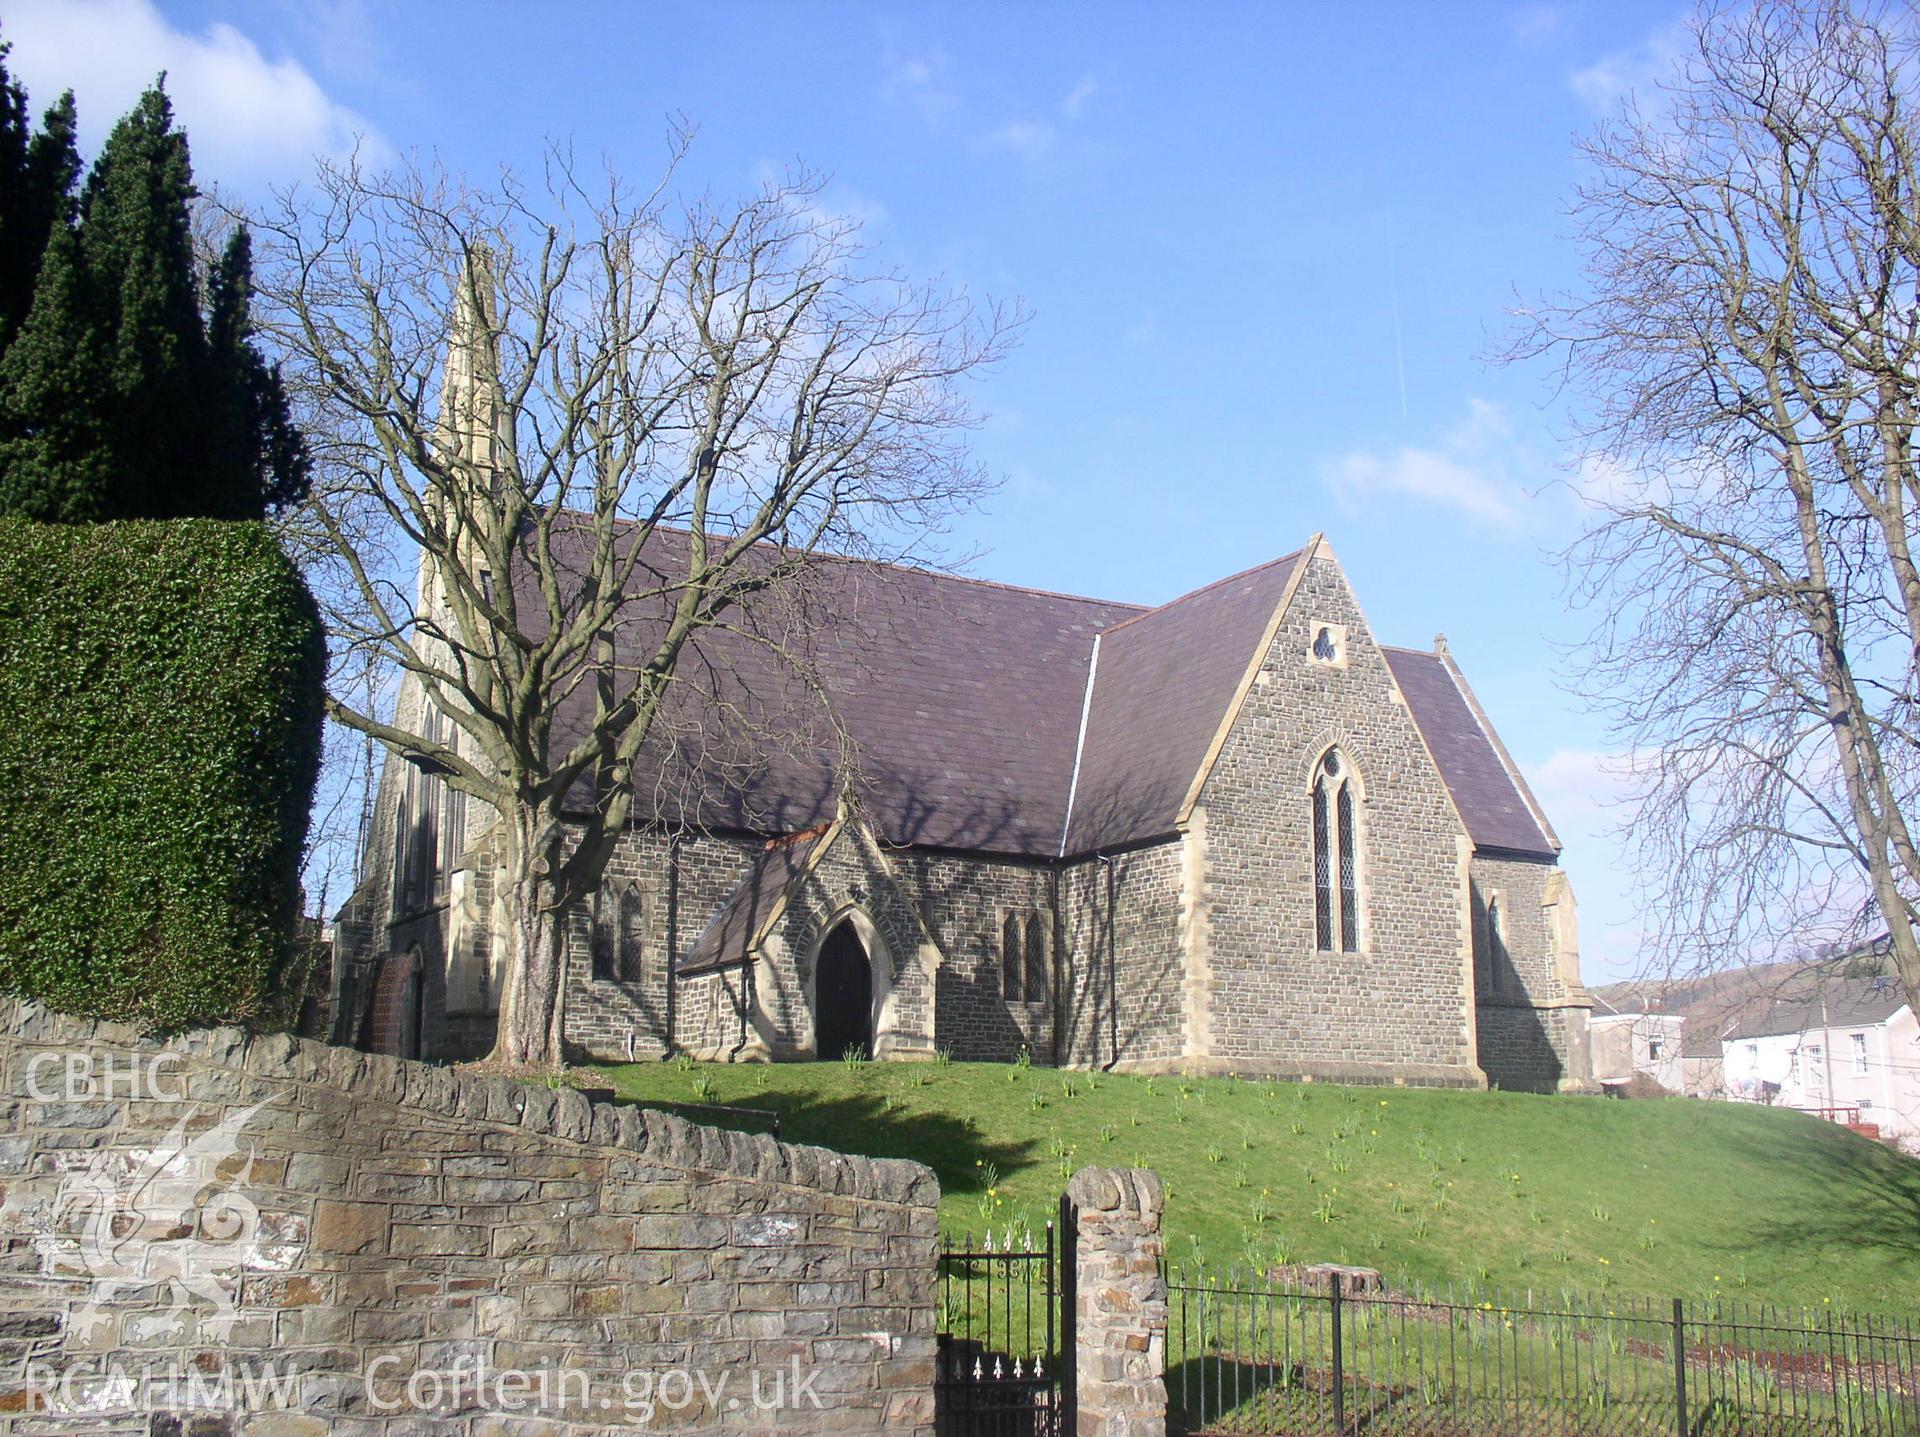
(1399, 1009)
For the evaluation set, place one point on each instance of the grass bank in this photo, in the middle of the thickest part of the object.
(1501, 1190)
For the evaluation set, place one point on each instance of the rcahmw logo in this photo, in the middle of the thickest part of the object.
(80, 1077)
(176, 1215)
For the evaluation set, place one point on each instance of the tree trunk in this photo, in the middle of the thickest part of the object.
(532, 1003)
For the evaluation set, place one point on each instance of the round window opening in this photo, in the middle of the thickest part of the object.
(1332, 764)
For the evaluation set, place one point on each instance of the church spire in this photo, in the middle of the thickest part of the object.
(474, 433)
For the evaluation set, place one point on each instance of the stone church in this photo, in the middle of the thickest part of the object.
(1232, 833)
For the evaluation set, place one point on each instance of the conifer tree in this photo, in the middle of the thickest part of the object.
(17, 268)
(38, 173)
(136, 247)
(55, 462)
(53, 174)
(117, 400)
(256, 457)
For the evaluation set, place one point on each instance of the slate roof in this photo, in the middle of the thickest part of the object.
(1718, 1003)
(1163, 683)
(1840, 1003)
(960, 704)
(960, 699)
(1488, 792)
(776, 869)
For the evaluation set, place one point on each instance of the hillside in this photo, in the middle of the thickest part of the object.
(1500, 1190)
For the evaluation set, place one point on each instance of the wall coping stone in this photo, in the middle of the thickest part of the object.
(502, 1103)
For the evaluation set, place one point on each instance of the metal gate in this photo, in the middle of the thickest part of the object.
(1004, 1365)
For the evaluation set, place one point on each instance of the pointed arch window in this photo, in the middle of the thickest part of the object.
(1498, 963)
(618, 940)
(601, 937)
(1012, 958)
(1336, 857)
(633, 936)
(1036, 959)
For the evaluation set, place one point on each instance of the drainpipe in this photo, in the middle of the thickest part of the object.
(1055, 929)
(746, 1004)
(1826, 1054)
(1113, 969)
(672, 1045)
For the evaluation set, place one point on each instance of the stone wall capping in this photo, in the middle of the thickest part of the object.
(500, 1102)
(270, 1054)
(448, 1221)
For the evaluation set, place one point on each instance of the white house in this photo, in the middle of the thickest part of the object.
(1849, 1052)
(1628, 1043)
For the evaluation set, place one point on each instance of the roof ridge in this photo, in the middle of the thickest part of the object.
(1205, 588)
(927, 573)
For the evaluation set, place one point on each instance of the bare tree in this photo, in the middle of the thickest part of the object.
(1745, 353)
(522, 393)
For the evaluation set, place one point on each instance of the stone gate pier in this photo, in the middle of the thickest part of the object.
(1120, 1308)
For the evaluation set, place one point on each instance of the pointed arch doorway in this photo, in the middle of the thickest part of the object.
(842, 996)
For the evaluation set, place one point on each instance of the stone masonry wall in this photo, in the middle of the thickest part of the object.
(1534, 1050)
(708, 1015)
(964, 903)
(1124, 965)
(331, 1225)
(959, 901)
(853, 874)
(1399, 1007)
(682, 882)
(1120, 1318)
(1531, 1010)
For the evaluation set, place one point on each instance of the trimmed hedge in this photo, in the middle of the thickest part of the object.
(160, 709)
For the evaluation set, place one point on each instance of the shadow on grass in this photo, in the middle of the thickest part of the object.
(1210, 1395)
(954, 1147)
(1881, 1206)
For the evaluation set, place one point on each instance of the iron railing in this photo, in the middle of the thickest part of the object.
(1248, 1354)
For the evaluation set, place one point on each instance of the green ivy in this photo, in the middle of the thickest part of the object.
(160, 709)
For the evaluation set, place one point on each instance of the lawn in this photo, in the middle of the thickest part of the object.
(1495, 1191)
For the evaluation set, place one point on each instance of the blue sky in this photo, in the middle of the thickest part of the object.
(1266, 248)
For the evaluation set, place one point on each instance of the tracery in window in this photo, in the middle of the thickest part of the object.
(1336, 857)
(1322, 872)
(600, 936)
(633, 936)
(1036, 975)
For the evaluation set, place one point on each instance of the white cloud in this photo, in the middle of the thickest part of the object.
(1606, 482)
(922, 84)
(836, 205)
(1634, 72)
(1032, 137)
(1535, 25)
(1582, 789)
(1027, 138)
(914, 81)
(1429, 475)
(1078, 96)
(1470, 471)
(250, 119)
(1143, 331)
